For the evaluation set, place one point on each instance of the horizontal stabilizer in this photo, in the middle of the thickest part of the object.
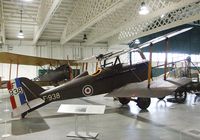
(158, 88)
(35, 102)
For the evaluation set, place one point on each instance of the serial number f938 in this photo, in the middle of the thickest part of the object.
(51, 97)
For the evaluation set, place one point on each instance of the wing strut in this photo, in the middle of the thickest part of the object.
(76, 71)
(83, 67)
(166, 50)
(86, 66)
(0, 82)
(10, 70)
(189, 67)
(97, 64)
(17, 70)
(150, 65)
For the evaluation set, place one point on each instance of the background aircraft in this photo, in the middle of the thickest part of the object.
(189, 70)
(58, 71)
(117, 80)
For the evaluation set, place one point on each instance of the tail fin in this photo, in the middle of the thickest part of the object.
(24, 95)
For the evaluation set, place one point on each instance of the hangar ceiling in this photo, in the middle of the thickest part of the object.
(103, 21)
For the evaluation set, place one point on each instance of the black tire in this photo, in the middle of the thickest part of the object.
(197, 94)
(143, 103)
(161, 98)
(123, 100)
(180, 96)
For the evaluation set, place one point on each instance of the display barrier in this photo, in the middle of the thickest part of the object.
(82, 110)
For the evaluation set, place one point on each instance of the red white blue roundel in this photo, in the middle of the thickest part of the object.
(87, 90)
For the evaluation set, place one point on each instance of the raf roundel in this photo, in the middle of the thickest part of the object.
(87, 90)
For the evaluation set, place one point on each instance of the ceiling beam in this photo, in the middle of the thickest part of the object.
(137, 20)
(98, 11)
(3, 32)
(50, 13)
(180, 16)
(2, 24)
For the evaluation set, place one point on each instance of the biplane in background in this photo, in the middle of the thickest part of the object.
(118, 80)
(187, 69)
(59, 70)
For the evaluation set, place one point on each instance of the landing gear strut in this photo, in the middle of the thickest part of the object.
(180, 96)
(161, 98)
(143, 103)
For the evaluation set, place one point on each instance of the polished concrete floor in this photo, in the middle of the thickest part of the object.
(162, 121)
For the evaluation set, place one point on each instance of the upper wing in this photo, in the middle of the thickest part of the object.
(143, 45)
(158, 88)
(6, 57)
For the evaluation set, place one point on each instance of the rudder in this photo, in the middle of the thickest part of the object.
(24, 95)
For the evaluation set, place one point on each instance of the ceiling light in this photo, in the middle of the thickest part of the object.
(137, 41)
(84, 37)
(20, 34)
(143, 9)
(162, 16)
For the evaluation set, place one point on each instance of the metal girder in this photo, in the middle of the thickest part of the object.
(177, 17)
(45, 17)
(86, 14)
(3, 38)
(123, 19)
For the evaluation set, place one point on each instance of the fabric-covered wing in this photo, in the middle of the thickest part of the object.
(6, 57)
(3, 84)
(110, 55)
(158, 88)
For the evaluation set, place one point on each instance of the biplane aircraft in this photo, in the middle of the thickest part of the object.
(191, 71)
(118, 80)
(58, 71)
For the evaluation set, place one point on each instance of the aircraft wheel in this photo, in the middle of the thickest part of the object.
(197, 94)
(143, 103)
(161, 98)
(124, 101)
(180, 97)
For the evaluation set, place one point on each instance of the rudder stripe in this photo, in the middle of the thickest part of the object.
(13, 103)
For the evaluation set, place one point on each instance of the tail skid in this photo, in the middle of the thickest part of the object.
(27, 106)
(24, 95)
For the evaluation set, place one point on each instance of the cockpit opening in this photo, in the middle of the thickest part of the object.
(97, 72)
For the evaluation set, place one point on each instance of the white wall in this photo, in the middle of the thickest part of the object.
(24, 71)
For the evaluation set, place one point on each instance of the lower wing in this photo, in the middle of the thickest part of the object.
(158, 88)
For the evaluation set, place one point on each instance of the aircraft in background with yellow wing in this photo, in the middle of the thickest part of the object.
(59, 70)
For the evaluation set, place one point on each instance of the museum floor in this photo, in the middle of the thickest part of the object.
(162, 121)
